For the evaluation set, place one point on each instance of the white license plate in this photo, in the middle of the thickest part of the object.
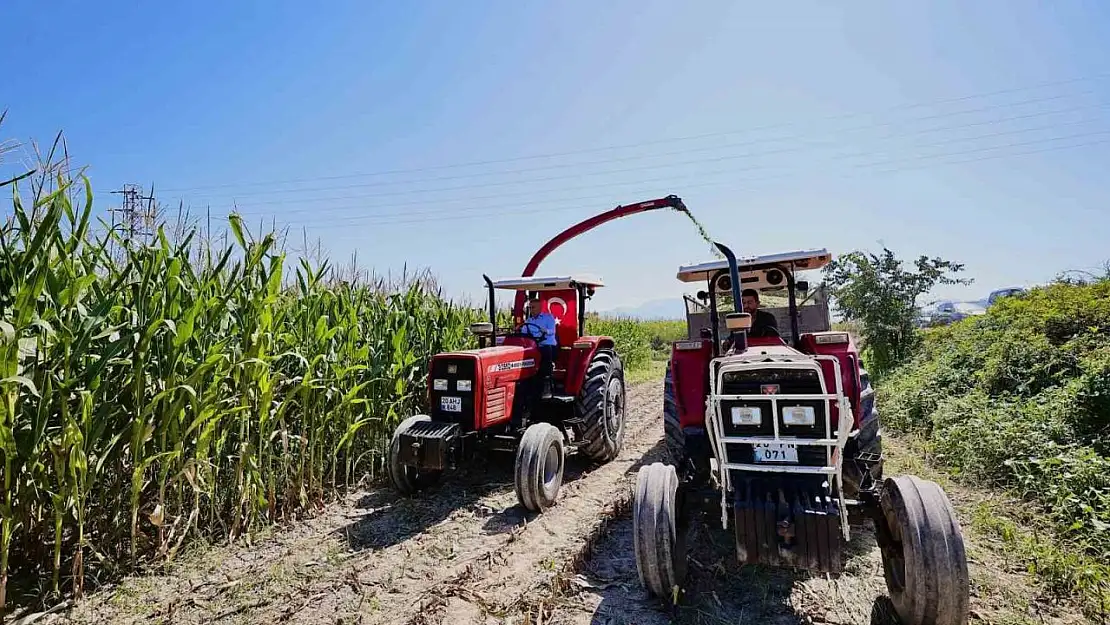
(451, 404)
(775, 452)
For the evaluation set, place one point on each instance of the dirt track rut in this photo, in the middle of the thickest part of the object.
(463, 552)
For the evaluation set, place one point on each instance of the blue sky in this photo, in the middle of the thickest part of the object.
(978, 132)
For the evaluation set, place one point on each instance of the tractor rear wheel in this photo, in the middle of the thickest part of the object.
(538, 472)
(601, 406)
(659, 531)
(672, 428)
(924, 560)
(407, 479)
(867, 443)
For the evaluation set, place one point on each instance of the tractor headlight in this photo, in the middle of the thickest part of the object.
(439, 385)
(746, 415)
(464, 385)
(798, 415)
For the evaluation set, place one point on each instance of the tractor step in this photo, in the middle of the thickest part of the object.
(504, 442)
(560, 399)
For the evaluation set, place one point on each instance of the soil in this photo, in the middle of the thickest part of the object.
(464, 552)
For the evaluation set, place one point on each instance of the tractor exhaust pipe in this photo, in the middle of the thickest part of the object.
(738, 321)
(734, 274)
(492, 308)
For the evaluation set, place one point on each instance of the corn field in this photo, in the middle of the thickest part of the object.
(153, 393)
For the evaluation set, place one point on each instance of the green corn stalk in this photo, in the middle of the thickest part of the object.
(187, 391)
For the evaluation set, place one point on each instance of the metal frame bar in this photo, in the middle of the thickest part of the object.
(833, 446)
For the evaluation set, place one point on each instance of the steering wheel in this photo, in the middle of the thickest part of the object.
(543, 332)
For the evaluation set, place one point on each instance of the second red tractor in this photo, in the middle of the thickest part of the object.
(782, 433)
(492, 397)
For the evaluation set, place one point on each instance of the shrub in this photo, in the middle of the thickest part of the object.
(1020, 397)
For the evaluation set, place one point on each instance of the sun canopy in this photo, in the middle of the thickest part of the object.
(548, 283)
(802, 259)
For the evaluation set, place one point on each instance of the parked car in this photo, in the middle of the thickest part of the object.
(946, 312)
(1006, 292)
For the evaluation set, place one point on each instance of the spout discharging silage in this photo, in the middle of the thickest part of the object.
(703, 233)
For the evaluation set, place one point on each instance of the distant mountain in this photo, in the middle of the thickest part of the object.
(652, 310)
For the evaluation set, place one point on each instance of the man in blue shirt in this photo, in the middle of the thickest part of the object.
(540, 325)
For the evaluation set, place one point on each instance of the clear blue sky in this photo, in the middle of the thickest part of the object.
(813, 126)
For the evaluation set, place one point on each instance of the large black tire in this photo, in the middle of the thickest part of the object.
(924, 560)
(601, 406)
(868, 442)
(672, 428)
(540, 460)
(870, 434)
(659, 531)
(407, 479)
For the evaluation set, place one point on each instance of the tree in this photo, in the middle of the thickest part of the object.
(878, 294)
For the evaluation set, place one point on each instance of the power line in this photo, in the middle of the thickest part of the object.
(318, 210)
(365, 220)
(903, 107)
(415, 192)
(832, 133)
(437, 207)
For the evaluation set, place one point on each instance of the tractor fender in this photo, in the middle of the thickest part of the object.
(578, 359)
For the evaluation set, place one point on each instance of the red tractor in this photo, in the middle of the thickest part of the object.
(780, 427)
(494, 397)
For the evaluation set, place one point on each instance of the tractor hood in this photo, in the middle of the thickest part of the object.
(514, 361)
(485, 352)
(770, 351)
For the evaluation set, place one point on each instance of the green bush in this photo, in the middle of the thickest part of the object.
(1020, 397)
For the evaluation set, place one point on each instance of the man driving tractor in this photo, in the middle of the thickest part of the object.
(540, 325)
(764, 324)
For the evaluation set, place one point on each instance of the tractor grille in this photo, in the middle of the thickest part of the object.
(496, 405)
(452, 370)
(789, 382)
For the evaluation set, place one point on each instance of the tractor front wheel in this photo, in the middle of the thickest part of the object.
(924, 560)
(600, 407)
(539, 466)
(659, 531)
(407, 479)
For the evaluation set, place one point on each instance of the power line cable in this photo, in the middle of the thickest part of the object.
(903, 107)
(833, 133)
(318, 210)
(365, 220)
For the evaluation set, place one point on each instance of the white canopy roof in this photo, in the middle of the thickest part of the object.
(547, 283)
(801, 259)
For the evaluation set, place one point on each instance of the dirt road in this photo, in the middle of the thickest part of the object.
(465, 553)
(456, 554)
